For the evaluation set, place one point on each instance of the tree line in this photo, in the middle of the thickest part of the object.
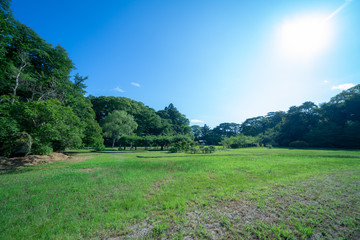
(43, 109)
(335, 124)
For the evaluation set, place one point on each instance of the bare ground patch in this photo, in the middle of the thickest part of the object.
(157, 186)
(89, 170)
(80, 158)
(30, 160)
(324, 207)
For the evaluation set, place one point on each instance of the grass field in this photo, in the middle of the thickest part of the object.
(246, 194)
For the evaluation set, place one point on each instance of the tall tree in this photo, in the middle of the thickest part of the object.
(297, 122)
(179, 122)
(35, 75)
(149, 123)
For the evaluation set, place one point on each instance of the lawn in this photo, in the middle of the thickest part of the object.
(245, 193)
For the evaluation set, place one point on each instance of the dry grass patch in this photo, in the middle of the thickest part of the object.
(157, 186)
(90, 170)
(30, 160)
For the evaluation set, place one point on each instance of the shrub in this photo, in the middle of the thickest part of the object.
(18, 146)
(206, 150)
(173, 150)
(22, 145)
(41, 149)
(99, 147)
(298, 144)
(194, 150)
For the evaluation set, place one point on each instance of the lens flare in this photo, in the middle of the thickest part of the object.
(306, 36)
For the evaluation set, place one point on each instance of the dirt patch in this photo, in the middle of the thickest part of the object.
(80, 158)
(89, 170)
(156, 186)
(30, 160)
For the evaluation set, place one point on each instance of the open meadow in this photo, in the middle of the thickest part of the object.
(245, 193)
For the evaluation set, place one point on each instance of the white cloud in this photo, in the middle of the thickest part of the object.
(326, 81)
(118, 89)
(343, 86)
(196, 121)
(135, 84)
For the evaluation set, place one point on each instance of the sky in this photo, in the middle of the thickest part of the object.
(216, 61)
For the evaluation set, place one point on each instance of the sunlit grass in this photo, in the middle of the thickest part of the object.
(104, 194)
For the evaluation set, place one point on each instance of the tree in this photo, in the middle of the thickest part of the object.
(239, 141)
(196, 131)
(35, 77)
(205, 131)
(179, 122)
(254, 126)
(51, 125)
(117, 124)
(297, 122)
(149, 123)
(227, 129)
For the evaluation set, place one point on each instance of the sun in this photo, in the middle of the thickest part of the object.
(305, 36)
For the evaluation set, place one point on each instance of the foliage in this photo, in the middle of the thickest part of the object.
(299, 144)
(335, 124)
(240, 141)
(22, 145)
(214, 136)
(149, 123)
(179, 124)
(37, 95)
(173, 150)
(9, 129)
(117, 124)
(49, 122)
(41, 148)
(194, 150)
(209, 149)
(196, 131)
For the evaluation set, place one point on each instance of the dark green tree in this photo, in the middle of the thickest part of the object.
(149, 123)
(227, 129)
(179, 123)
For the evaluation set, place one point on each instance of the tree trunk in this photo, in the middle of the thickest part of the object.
(17, 79)
(113, 144)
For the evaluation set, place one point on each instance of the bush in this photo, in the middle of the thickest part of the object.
(194, 150)
(99, 147)
(41, 149)
(18, 146)
(22, 145)
(206, 150)
(298, 144)
(173, 150)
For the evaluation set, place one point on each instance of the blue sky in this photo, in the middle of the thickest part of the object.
(216, 61)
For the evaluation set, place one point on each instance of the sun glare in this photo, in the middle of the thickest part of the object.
(306, 36)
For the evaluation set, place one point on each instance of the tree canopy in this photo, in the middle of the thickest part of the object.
(37, 93)
(43, 107)
(117, 124)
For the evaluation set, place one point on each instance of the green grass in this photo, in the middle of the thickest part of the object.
(101, 195)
